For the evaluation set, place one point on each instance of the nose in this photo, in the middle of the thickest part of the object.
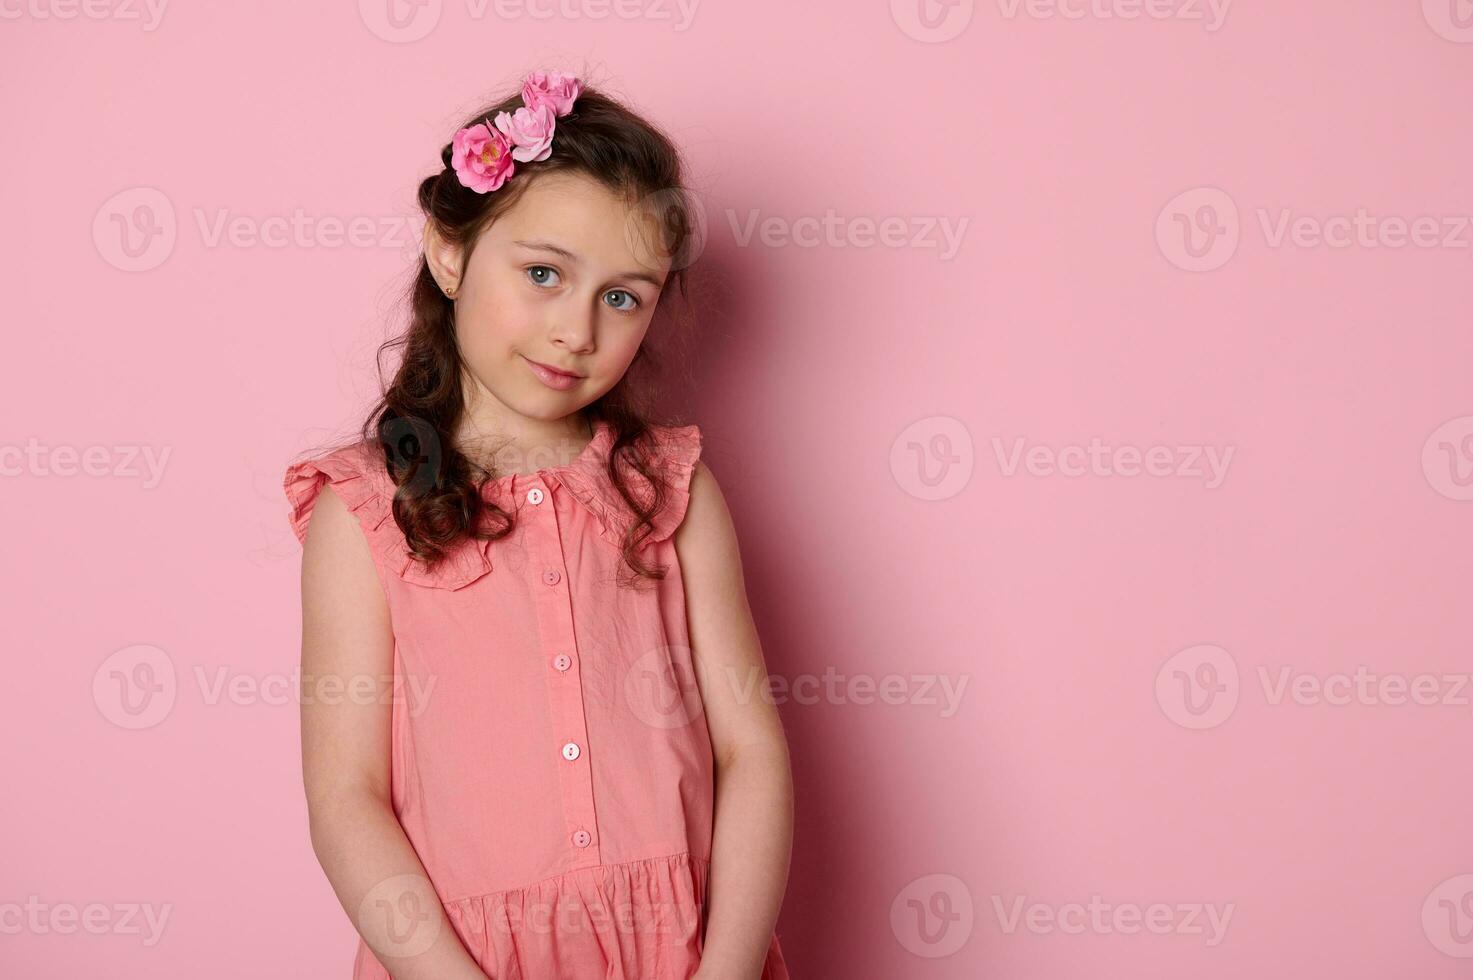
(575, 325)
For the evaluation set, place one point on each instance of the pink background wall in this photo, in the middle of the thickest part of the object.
(984, 467)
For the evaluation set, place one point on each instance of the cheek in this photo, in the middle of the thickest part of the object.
(628, 345)
(493, 317)
(620, 342)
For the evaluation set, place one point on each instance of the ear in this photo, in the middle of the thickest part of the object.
(443, 259)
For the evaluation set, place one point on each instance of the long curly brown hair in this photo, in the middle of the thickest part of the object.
(441, 500)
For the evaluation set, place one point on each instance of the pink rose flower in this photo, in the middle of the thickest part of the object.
(551, 88)
(481, 157)
(529, 130)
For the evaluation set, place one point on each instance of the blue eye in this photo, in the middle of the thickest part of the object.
(533, 270)
(628, 295)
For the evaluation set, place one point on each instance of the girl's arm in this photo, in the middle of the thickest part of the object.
(347, 664)
(754, 785)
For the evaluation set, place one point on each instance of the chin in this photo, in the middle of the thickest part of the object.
(548, 406)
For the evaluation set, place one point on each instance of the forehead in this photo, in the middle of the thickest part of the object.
(601, 226)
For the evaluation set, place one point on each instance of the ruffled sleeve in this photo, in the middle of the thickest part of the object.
(678, 450)
(673, 454)
(345, 469)
(358, 477)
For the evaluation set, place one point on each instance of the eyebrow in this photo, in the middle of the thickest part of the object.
(559, 250)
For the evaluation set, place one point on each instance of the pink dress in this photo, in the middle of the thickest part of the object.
(550, 760)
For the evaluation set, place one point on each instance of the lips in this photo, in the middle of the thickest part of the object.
(556, 370)
(552, 377)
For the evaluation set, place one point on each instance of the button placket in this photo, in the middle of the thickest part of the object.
(553, 601)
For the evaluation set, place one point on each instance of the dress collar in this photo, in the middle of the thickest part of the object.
(674, 453)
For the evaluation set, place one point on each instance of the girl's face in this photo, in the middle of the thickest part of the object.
(559, 280)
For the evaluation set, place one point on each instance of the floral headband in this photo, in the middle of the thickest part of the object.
(482, 155)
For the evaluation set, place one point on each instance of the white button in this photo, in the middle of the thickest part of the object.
(562, 661)
(570, 751)
(582, 838)
(534, 496)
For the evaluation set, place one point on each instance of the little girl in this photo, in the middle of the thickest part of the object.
(534, 740)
